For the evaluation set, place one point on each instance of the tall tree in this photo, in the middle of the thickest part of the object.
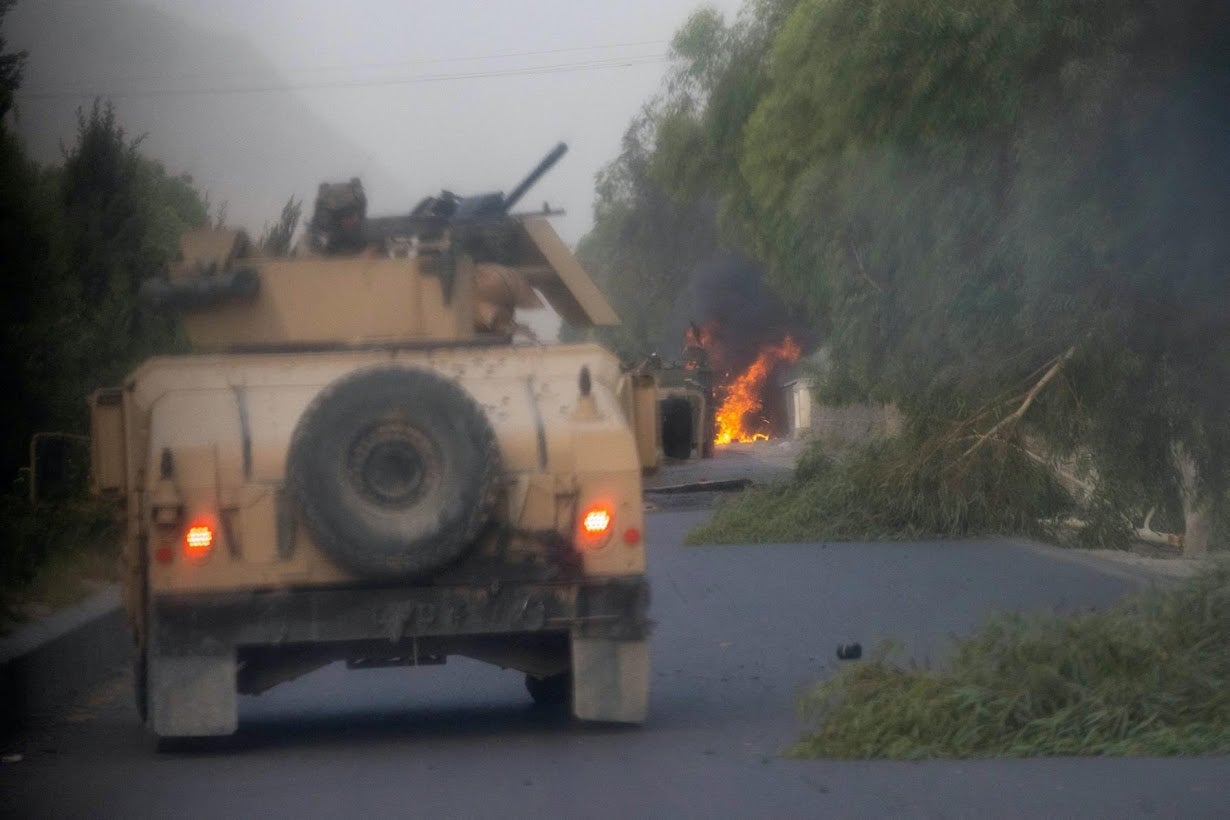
(121, 217)
(643, 244)
(12, 66)
(78, 240)
(29, 282)
(1003, 217)
(982, 190)
(276, 239)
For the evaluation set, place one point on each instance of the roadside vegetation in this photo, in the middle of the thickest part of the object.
(1003, 219)
(1149, 677)
(893, 489)
(1006, 221)
(77, 238)
(54, 555)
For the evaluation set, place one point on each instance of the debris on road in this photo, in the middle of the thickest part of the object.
(724, 486)
(849, 651)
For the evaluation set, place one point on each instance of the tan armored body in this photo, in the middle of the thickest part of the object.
(359, 464)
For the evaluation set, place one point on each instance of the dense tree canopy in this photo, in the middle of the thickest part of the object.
(969, 196)
(656, 208)
(77, 240)
(643, 244)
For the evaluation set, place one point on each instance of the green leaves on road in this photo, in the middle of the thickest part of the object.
(1148, 677)
(894, 489)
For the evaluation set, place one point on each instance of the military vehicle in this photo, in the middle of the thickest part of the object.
(357, 463)
(686, 401)
(686, 407)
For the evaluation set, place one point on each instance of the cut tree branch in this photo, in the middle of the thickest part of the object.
(858, 259)
(1016, 415)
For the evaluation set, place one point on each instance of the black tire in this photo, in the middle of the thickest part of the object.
(395, 470)
(677, 432)
(553, 690)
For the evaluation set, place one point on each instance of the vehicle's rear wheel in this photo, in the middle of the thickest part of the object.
(553, 690)
(396, 470)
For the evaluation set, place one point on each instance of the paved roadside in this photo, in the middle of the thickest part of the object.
(1126, 564)
(50, 662)
(740, 631)
(761, 463)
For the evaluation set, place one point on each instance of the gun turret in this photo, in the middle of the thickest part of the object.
(434, 214)
(433, 275)
(497, 204)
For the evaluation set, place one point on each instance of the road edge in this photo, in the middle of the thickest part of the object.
(48, 664)
(1142, 575)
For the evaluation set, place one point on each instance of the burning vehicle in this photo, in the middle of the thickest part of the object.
(725, 390)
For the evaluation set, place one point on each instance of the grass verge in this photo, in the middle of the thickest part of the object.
(894, 489)
(1148, 677)
(52, 555)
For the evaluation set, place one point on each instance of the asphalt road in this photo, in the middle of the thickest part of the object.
(740, 631)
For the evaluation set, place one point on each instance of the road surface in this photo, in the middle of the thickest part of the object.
(740, 630)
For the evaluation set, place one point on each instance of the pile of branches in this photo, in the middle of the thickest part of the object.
(974, 476)
(1148, 677)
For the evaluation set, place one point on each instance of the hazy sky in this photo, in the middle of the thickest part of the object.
(413, 96)
(389, 63)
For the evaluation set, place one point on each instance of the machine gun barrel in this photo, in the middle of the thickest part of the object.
(491, 209)
(547, 163)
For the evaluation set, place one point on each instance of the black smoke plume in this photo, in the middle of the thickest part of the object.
(728, 298)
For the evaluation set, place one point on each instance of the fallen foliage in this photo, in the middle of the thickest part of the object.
(897, 488)
(1149, 677)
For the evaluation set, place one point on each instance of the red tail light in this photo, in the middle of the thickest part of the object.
(597, 521)
(596, 525)
(198, 541)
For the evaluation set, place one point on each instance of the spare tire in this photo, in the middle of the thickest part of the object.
(677, 430)
(395, 470)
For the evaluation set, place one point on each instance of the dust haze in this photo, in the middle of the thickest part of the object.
(261, 100)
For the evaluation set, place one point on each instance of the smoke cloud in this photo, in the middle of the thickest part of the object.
(728, 297)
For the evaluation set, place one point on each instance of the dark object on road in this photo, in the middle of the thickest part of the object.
(724, 486)
(849, 651)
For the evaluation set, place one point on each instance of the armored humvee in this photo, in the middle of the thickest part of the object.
(358, 464)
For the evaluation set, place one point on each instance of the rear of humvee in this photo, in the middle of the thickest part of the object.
(358, 466)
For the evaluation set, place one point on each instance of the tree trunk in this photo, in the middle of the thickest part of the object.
(1195, 507)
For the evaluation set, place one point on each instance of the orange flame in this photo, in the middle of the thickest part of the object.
(700, 346)
(743, 394)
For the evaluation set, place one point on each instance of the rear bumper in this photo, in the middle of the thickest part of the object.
(212, 623)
